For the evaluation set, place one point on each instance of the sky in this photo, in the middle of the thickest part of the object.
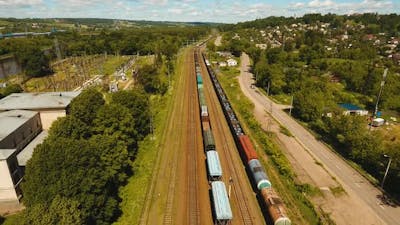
(189, 10)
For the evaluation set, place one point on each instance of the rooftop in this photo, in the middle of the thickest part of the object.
(5, 153)
(43, 100)
(349, 106)
(11, 120)
(27, 152)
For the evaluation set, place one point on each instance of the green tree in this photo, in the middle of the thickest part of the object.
(11, 88)
(85, 105)
(61, 211)
(69, 127)
(115, 120)
(138, 104)
(87, 172)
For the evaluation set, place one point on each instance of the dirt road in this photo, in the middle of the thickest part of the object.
(361, 204)
(218, 40)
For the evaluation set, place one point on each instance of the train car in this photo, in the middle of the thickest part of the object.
(275, 207)
(205, 125)
(202, 99)
(204, 113)
(199, 79)
(259, 175)
(247, 147)
(209, 143)
(222, 207)
(213, 166)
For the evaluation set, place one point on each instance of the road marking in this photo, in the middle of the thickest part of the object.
(358, 185)
(338, 167)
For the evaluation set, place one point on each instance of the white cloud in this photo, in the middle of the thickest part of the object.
(19, 3)
(318, 4)
(176, 10)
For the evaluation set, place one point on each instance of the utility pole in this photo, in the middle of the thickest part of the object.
(387, 169)
(380, 92)
(291, 106)
(269, 85)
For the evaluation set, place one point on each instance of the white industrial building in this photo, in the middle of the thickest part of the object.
(18, 129)
(50, 105)
(24, 121)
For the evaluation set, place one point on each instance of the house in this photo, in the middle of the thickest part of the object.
(350, 109)
(21, 131)
(50, 105)
(231, 62)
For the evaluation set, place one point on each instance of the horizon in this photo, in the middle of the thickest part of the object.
(189, 11)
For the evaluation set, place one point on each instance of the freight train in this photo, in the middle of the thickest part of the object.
(249, 156)
(222, 210)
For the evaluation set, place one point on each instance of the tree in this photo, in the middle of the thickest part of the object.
(85, 105)
(85, 171)
(61, 211)
(11, 88)
(138, 104)
(116, 121)
(69, 127)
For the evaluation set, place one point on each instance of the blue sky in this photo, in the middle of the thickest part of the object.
(189, 10)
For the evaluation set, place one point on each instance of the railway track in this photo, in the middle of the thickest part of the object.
(238, 194)
(168, 138)
(192, 143)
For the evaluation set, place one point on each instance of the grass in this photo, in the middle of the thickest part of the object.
(12, 219)
(134, 193)
(337, 191)
(112, 63)
(285, 131)
(295, 196)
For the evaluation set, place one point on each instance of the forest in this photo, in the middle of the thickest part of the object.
(324, 60)
(36, 53)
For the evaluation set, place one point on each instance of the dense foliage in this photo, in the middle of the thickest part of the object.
(35, 53)
(74, 176)
(323, 60)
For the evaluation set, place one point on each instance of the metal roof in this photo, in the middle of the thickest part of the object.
(43, 100)
(221, 201)
(214, 166)
(27, 152)
(5, 153)
(11, 120)
(349, 106)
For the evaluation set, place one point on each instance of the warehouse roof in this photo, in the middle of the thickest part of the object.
(27, 152)
(214, 166)
(221, 201)
(11, 120)
(44, 100)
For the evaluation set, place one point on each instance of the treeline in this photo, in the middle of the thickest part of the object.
(35, 53)
(375, 22)
(74, 176)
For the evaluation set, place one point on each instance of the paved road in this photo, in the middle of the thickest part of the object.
(352, 181)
